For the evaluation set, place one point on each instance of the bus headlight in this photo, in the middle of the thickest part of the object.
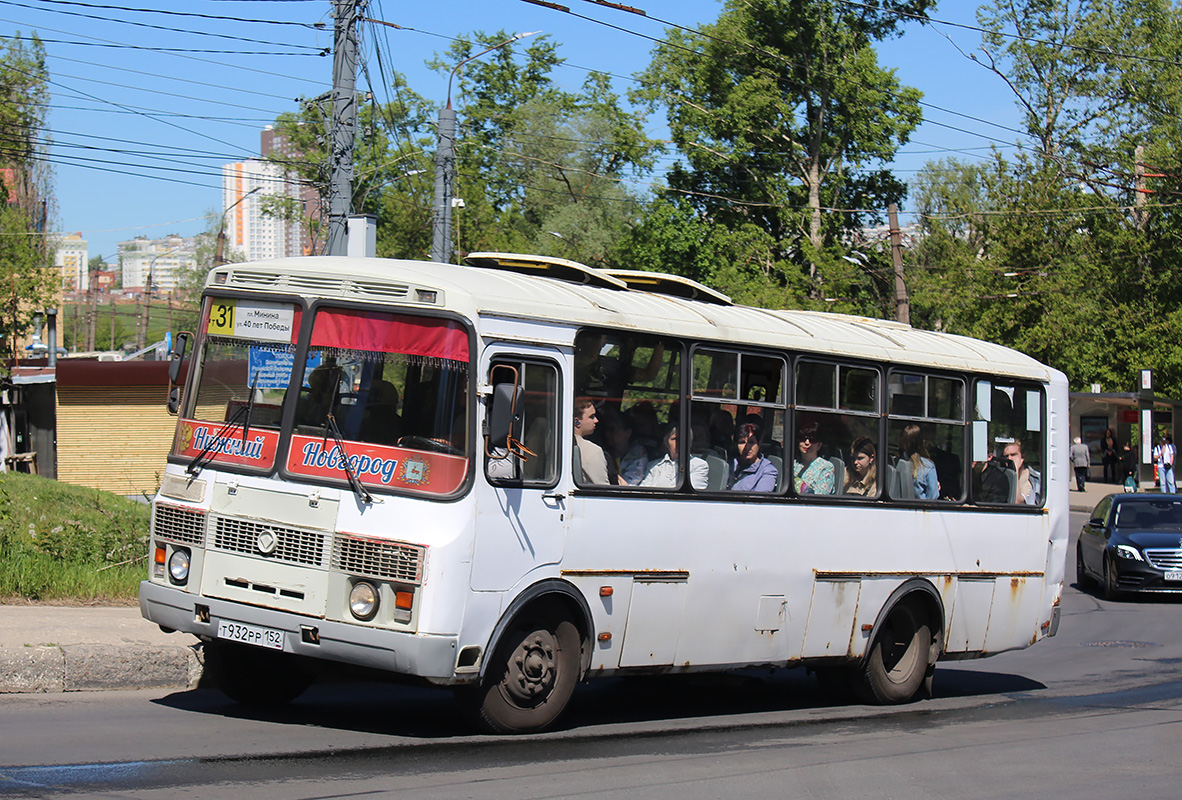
(178, 566)
(363, 600)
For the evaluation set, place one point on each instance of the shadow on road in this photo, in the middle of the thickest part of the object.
(427, 713)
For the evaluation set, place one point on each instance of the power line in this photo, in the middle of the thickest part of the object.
(161, 27)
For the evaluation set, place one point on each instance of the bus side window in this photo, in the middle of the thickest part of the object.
(535, 451)
(837, 449)
(1008, 442)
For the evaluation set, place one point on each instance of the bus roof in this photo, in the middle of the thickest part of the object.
(501, 292)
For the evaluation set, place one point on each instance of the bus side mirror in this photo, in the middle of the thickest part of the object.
(504, 416)
(176, 358)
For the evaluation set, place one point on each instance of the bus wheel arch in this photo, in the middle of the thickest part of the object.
(538, 653)
(904, 646)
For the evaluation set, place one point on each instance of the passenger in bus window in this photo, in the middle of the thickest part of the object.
(1029, 480)
(626, 459)
(591, 455)
(664, 474)
(811, 474)
(862, 478)
(751, 472)
(920, 465)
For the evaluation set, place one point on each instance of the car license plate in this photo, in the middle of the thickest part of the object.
(1174, 575)
(250, 634)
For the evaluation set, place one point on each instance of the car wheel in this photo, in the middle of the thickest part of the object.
(1111, 590)
(1082, 579)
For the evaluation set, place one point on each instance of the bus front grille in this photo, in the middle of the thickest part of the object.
(182, 525)
(277, 542)
(378, 559)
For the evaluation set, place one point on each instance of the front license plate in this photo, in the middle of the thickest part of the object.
(250, 634)
(1174, 575)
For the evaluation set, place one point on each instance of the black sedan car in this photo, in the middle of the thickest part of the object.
(1132, 543)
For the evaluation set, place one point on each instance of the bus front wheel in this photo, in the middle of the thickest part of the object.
(532, 676)
(899, 659)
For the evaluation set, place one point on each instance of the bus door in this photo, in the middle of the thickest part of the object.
(521, 514)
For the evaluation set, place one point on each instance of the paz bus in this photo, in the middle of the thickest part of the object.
(385, 463)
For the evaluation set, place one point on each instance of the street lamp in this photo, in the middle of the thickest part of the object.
(445, 162)
(220, 252)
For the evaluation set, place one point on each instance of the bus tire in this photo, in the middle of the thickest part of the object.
(533, 675)
(897, 666)
(253, 676)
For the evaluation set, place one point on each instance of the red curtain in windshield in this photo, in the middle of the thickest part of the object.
(390, 333)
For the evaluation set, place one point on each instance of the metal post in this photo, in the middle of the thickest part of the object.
(445, 163)
(344, 125)
(902, 301)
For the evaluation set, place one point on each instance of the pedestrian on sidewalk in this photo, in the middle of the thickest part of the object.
(1110, 456)
(1081, 460)
(1163, 456)
(1129, 468)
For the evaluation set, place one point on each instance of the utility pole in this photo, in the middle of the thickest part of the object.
(344, 125)
(445, 162)
(445, 171)
(1139, 187)
(902, 301)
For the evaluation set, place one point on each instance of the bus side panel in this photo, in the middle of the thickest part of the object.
(969, 615)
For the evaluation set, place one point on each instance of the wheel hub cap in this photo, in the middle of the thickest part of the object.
(532, 668)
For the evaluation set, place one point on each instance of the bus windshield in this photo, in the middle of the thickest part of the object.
(392, 387)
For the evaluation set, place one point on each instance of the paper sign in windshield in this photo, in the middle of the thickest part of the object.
(250, 319)
(377, 465)
(256, 451)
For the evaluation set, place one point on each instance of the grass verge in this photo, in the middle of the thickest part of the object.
(68, 544)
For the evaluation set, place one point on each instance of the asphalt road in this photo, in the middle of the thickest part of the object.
(1094, 712)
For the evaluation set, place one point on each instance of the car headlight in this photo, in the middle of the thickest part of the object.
(1129, 552)
(363, 600)
(178, 566)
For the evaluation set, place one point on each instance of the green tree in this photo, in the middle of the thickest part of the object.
(781, 113)
(539, 168)
(26, 285)
(389, 159)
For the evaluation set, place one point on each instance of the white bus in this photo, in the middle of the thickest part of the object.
(471, 476)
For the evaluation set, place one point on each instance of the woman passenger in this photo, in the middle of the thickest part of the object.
(811, 474)
(923, 469)
(862, 478)
(751, 472)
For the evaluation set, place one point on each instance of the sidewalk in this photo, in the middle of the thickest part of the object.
(63, 649)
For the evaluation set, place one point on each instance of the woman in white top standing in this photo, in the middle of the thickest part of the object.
(1163, 455)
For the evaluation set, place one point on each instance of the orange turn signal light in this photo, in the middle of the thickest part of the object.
(404, 600)
(605, 591)
(161, 551)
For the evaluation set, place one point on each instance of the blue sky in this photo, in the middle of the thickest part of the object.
(140, 131)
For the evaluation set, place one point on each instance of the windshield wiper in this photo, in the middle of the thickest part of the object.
(355, 484)
(205, 455)
(254, 383)
(242, 412)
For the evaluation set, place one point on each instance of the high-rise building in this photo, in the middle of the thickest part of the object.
(71, 256)
(155, 266)
(251, 186)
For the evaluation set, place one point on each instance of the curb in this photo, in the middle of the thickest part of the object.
(84, 668)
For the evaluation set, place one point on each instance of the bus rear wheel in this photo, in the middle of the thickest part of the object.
(532, 677)
(253, 676)
(899, 658)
